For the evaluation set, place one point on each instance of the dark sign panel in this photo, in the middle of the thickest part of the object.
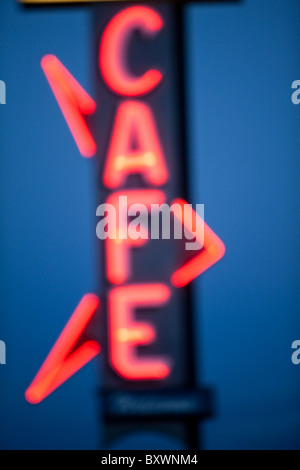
(140, 129)
(141, 112)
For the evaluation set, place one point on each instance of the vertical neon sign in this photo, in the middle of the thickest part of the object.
(134, 118)
(145, 310)
(148, 340)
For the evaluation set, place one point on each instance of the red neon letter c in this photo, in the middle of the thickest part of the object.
(114, 43)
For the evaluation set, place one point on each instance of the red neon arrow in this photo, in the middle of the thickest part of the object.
(61, 362)
(73, 101)
(212, 251)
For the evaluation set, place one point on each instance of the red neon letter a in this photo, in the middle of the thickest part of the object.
(134, 147)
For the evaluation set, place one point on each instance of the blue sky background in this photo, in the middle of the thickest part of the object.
(244, 140)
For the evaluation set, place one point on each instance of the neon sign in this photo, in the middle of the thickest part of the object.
(144, 308)
(139, 164)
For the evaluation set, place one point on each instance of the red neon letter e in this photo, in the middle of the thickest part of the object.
(126, 333)
(134, 123)
(113, 46)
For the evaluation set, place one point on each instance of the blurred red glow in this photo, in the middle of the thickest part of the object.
(134, 119)
(113, 50)
(126, 333)
(213, 250)
(118, 250)
(61, 362)
(73, 101)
